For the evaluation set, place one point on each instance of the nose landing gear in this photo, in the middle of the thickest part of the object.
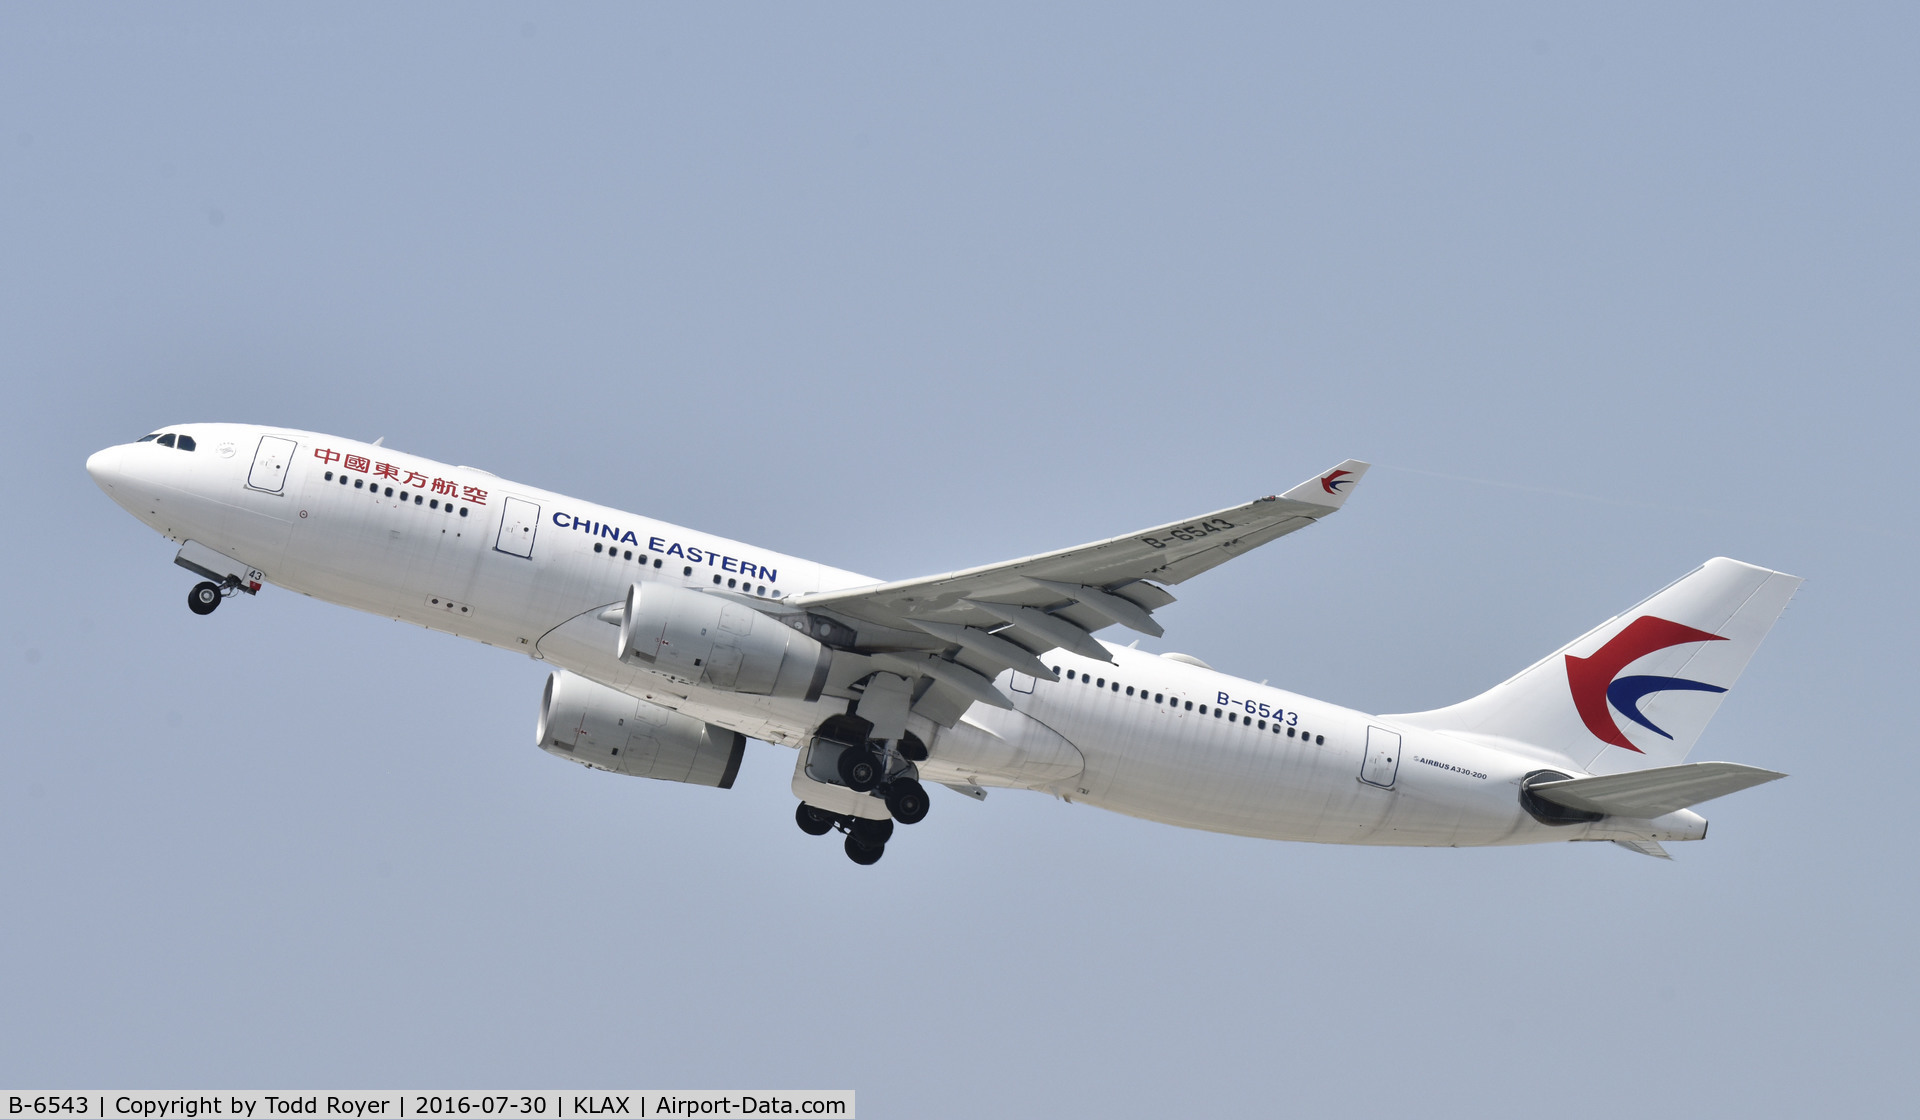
(204, 597)
(221, 576)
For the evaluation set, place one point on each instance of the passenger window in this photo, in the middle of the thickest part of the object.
(343, 480)
(185, 444)
(166, 440)
(1190, 706)
(1056, 672)
(417, 499)
(1203, 709)
(656, 563)
(687, 571)
(1233, 717)
(762, 590)
(1216, 713)
(1102, 682)
(1129, 690)
(1263, 725)
(626, 555)
(716, 580)
(1159, 698)
(358, 483)
(329, 473)
(1289, 732)
(435, 504)
(463, 511)
(730, 583)
(1319, 740)
(596, 546)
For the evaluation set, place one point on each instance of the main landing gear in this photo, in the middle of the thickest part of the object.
(866, 839)
(879, 769)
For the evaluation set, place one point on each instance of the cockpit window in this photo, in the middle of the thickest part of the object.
(145, 438)
(185, 444)
(166, 440)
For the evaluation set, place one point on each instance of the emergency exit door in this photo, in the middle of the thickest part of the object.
(1383, 758)
(519, 521)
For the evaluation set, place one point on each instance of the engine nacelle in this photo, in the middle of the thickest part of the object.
(606, 729)
(715, 642)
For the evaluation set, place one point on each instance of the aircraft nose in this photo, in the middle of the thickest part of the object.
(108, 467)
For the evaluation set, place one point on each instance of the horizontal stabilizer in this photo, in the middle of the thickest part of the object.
(1645, 794)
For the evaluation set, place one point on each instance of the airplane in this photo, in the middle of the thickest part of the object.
(671, 647)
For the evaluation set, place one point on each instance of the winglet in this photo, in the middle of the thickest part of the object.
(1331, 487)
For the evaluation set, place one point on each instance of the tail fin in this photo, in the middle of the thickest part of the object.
(1685, 646)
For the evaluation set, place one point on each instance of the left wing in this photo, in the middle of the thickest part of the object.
(962, 629)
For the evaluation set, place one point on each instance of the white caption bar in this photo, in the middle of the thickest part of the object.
(626, 1104)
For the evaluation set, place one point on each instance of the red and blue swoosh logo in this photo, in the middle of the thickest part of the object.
(1332, 482)
(1596, 682)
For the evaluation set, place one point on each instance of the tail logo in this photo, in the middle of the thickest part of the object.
(1332, 483)
(1596, 682)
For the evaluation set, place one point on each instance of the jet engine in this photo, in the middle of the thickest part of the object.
(713, 641)
(606, 729)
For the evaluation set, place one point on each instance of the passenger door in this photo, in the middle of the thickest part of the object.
(519, 520)
(1383, 758)
(269, 472)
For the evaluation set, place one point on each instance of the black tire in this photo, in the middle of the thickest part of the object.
(860, 769)
(907, 801)
(204, 597)
(863, 855)
(870, 834)
(813, 820)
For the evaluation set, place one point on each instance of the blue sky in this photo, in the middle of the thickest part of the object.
(1603, 293)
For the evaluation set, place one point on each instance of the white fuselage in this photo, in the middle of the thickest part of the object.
(456, 549)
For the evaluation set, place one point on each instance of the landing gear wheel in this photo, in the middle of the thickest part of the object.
(204, 597)
(907, 801)
(813, 821)
(859, 769)
(863, 855)
(869, 834)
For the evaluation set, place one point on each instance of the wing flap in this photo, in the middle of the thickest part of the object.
(1645, 794)
(1645, 848)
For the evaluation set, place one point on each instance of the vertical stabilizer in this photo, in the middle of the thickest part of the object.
(1637, 690)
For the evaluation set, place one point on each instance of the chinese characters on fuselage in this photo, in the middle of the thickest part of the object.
(472, 495)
